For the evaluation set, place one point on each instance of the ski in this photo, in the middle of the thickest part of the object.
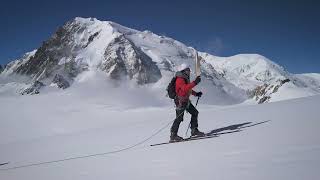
(197, 138)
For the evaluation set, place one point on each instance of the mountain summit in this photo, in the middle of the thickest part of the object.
(87, 44)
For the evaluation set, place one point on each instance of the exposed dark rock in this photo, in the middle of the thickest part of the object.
(285, 81)
(276, 88)
(34, 88)
(1, 69)
(91, 38)
(124, 59)
(262, 93)
(264, 99)
(60, 81)
(261, 90)
(46, 59)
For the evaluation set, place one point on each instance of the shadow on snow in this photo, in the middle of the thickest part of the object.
(234, 127)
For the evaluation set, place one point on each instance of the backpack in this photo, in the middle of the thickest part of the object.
(171, 89)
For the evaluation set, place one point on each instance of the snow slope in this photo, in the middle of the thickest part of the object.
(247, 70)
(262, 78)
(84, 120)
(310, 79)
(13, 65)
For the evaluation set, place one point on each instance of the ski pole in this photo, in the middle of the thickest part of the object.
(197, 101)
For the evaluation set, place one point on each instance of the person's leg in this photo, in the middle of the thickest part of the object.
(194, 116)
(194, 121)
(177, 121)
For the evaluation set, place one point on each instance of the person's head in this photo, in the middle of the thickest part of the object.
(186, 71)
(185, 68)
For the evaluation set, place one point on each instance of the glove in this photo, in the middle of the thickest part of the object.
(199, 94)
(197, 80)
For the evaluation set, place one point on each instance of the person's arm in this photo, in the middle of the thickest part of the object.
(184, 87)
(194, 93)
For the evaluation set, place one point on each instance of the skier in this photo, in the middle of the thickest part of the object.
(183, 89)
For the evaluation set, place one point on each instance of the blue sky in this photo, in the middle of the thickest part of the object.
(287, 32)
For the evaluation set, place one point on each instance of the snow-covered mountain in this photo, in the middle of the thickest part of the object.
(85, 45)
(263, 79)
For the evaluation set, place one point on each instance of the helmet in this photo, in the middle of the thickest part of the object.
(183, 66)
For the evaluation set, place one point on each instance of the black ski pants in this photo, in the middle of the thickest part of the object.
(179, 117)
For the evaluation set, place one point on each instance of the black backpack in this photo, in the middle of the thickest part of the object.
(171, 89)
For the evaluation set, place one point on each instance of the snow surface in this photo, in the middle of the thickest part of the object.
(288, 90)
(18, 62)
(92, 55)
(94, 117)
(247, 70)
(310, 79)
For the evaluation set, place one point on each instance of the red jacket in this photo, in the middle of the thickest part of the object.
(184, 89)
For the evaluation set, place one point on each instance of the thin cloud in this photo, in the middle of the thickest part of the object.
(213, 45)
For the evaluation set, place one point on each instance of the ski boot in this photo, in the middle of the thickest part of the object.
(175, 138)
(196, 133)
